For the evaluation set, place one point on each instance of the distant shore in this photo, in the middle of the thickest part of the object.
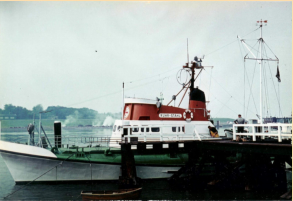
(21, 124)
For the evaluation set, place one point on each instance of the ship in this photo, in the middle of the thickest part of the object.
(66, 159)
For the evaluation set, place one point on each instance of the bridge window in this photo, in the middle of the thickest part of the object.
(173, 129)
(135, 129)
(155, 129)
(114, 128)
(183, 129)
(142, 129)
(178, 129)
(147, 129)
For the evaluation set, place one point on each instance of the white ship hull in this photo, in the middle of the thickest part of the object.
(25, 167)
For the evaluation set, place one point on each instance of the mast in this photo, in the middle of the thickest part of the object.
(260, 59)
(260, 65)
(122, 99)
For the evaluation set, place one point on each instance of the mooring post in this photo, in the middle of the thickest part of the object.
(128, 176)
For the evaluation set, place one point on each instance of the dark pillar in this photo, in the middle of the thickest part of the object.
(128, 176)
(57, 134)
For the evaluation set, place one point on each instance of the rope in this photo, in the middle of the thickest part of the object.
(117, 92)
(230, 43)
(244, 77)
(38, 177)
(152, 76)
(210, 83)
(226, 91)
(266, 87)
(224, 105)
(250, 94)
(280, 111)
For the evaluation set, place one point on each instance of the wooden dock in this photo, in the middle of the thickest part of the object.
(263, 161)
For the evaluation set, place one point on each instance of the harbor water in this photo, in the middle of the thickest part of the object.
(152, 189)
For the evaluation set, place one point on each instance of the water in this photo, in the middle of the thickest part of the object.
(152, 189)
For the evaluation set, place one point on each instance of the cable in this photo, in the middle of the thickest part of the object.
(152, 76)
(224, 105)
(275, 90)
(230, 42)
(114, 92)
(266, 88)
(210, 83)
(250, 94)
(225, 90)
(244, 77)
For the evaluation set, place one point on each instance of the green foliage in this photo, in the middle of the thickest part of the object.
(63, 112)
(58, 112)
(20, 112)
(38, 108)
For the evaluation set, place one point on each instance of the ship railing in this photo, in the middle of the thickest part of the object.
(275, 130)
(81, 141)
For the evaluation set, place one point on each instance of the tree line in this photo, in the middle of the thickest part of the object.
(55, 112)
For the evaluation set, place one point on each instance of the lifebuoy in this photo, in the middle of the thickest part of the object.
(184, 115)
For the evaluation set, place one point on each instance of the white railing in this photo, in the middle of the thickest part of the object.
(82, 141)
(277, 130)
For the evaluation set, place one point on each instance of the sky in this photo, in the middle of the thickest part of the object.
(78, 54)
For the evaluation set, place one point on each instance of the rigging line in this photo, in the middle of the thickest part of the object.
(279, 98)
(252, 47)
(224, 105)
(152, 76)
(147, 83)
(114, 92)
(280, 110)
(210, 83)
(268, 97)
(230, 43)
(244, 76)
(225, 89)
(265, 103)
(38, 176)
(270, 49)
(222, 47)
(250, 94)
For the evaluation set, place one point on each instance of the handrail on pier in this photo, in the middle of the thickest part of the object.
(272, 130)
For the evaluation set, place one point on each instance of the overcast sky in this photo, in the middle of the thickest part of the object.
(77, 54)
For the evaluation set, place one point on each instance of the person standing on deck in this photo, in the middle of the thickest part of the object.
(240, 120)
(30, 129)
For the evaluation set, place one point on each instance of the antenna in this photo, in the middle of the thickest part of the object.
(187, 52)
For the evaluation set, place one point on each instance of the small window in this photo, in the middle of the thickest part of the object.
(147, 129)
(183, 129)
(135, 129)
(173, 129)
(178, 129)
(155, 129)
(142, 129)
(114, 128)
(119, 127)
